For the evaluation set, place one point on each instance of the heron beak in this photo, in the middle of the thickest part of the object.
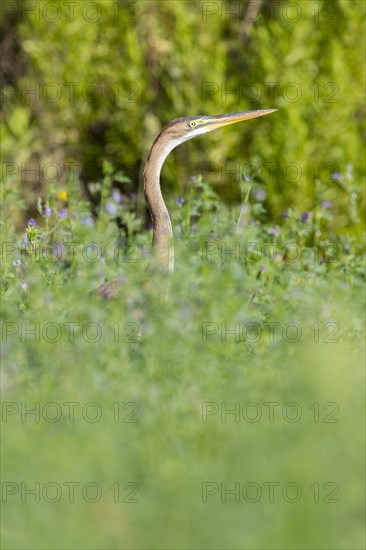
(218, 121)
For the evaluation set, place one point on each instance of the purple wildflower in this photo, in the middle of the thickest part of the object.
(180, 200)
(63, 213)
(47, 211)
(32, 222)
(263, 268)
(305, 216)
(336, 176)
(273, 232)
(247, 178)
(117, 196)
(326, 204)
(110, 208)
(285, 214)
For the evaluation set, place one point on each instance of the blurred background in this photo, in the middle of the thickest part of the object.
(85, 88)
(89, 82)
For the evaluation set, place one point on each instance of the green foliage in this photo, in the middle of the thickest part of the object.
(319, 126)
(103, 90)
(160, 352)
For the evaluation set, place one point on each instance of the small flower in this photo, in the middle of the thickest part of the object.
(247, 178)
(305, 216)
(63, 213)
(87, 220)
(323, 261)
(62, 195)
(47, 211)
(326, 204)
(263, 268)
(285, 214)
(23, 287)
(110, 208)
(32, 222)
(117, 196)
(260, 195)
(273, 232)
(192, 179)
(180, 200)
(336, 176)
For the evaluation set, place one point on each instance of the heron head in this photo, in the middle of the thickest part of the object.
(183, 129)
(180, 130)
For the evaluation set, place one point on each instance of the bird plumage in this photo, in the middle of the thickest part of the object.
(173, 134)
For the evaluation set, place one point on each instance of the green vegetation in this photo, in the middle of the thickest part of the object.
(105, 88)
(162, 351)
(133, 442)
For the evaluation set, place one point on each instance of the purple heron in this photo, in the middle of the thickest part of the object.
(175, 133)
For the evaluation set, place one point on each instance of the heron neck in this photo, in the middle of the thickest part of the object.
(162, 226)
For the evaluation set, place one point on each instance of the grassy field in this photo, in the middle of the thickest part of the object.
(222, 407)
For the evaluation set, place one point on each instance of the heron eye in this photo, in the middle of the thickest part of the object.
(192, 123)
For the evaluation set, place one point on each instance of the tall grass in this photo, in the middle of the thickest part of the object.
(242, 372)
